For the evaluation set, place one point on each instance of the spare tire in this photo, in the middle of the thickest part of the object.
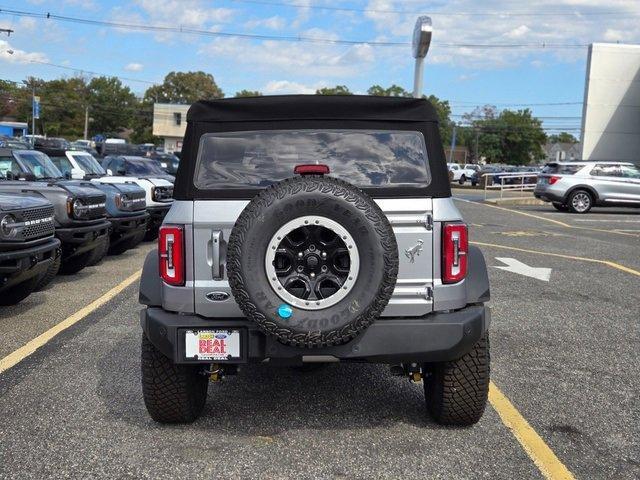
(312, 261)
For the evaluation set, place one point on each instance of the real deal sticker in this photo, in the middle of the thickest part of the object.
(212, 345)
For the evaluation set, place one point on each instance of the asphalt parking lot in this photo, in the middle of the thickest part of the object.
(565, 355)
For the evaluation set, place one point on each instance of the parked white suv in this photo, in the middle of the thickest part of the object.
(158, 191)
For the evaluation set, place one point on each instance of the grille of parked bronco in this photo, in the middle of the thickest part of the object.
(97, 212)
(38, 222)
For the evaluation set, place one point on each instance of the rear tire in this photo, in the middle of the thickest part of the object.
(580, 201)
(456, 392)
(19, 292)
(560, 207)
(127, 244)
(75, 264)
(172, 393)
(462, 180)
(46, 278)
(99, 253)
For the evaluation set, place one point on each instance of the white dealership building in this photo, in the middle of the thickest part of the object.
(611, 112)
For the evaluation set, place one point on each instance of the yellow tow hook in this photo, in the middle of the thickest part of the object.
(216, 373)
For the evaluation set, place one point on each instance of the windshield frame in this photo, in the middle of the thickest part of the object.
(52, 172)
(142, 161)
(92, 164)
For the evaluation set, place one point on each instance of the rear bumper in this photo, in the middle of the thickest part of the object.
(436, 337)
(78, 240)
(17, 266)
(549, 196)
(123, 228)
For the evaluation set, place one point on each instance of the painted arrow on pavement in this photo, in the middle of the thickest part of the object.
(516, 266)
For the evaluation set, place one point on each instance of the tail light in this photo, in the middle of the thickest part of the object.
(455, 246)
(553, 180)
(171, 251)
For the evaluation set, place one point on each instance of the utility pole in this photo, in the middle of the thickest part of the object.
(86, 122)
(453, 142)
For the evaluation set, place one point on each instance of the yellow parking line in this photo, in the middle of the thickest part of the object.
(543, 457)
(30, 347)
(550, 220)
(608, 263)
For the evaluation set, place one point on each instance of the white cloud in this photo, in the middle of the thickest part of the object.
(134, 67)
(15, 55)
(283, 87)
(296, 58)
(273, 23)
(188, 13)
(542, 26)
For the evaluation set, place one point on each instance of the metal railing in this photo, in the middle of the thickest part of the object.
(519, 186)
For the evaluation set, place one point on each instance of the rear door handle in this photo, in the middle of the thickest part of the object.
(216, 265)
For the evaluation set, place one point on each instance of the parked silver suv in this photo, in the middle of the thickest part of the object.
(312, 229)
(578, 186)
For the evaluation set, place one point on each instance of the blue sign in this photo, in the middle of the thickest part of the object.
(36, 107)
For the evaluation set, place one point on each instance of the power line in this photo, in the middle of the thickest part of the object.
(437, 13)
(283, 38)
(82, 70)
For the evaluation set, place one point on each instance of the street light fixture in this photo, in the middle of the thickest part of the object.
(421, 42)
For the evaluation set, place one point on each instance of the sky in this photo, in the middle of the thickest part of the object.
(463, 65)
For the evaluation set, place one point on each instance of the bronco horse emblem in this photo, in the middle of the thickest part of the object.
(414, 251)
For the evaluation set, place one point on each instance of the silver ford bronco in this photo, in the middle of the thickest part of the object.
(314, 229)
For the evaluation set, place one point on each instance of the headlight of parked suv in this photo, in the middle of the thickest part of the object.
(9, 227)
(162, 194)
(76, 209)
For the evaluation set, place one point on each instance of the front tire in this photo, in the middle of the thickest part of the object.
(172, 393)
(580, 201)
(75, 264)
(456, 392)
(19, 292)
(462, 180)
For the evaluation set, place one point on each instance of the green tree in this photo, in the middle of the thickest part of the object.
(562, 137)
(392, 91)
(337, 90)
(512, 137)
(112, 105)
(248, 93)
(184, 88)
(443, 109)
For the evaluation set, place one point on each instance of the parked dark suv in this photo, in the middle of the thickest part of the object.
(79, 207)
(311, 229)
(27, 244)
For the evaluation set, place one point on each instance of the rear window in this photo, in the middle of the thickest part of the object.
(555, 168)
(365, 158)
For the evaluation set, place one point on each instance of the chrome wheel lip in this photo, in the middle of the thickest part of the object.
(305, 221)
(581, 202)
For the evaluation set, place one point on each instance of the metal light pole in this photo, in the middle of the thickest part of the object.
(421, 41)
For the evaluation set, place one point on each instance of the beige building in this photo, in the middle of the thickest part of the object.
(170, 123)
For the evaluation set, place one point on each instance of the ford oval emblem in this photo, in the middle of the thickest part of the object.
(217, 296)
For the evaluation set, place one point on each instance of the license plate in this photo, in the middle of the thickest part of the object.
(212, 344)
(542, 181)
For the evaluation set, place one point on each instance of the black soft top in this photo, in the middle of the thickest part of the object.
(313, 107)
(282, 112)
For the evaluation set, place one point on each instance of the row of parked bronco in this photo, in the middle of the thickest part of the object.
(61, 211)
